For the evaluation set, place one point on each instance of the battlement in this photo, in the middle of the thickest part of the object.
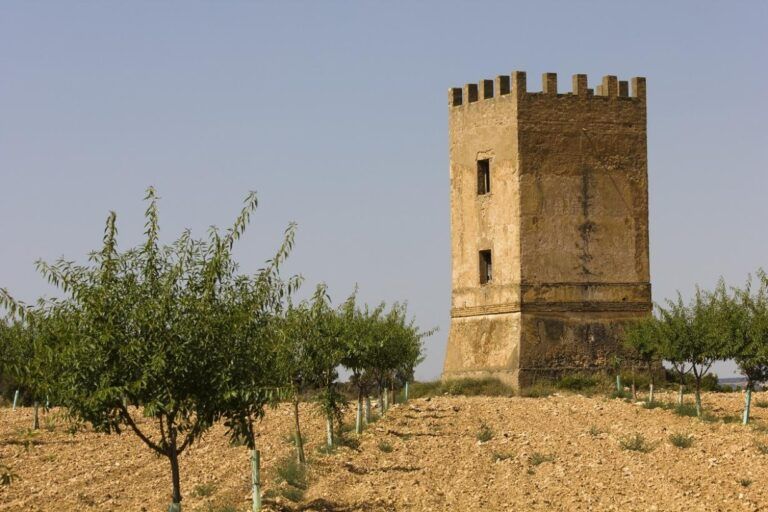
(515, 84)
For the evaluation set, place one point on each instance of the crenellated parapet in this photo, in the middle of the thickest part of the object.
(515, 84)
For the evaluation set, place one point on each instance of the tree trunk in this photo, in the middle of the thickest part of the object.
(175, 477)
(173, 455)
(36, 422)
(15, 399)
(406, 391)
(386, 399)
(256, 480)
(747, 403)
(634, 388)
(680, 394)
(359, 413)
(698, 397)
(297, 430)
(394, 397)
(650, 386)
(368, 417)
(381, 401)
(329, 431)
(619, 387)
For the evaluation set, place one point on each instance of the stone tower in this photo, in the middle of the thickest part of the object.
(549, 225)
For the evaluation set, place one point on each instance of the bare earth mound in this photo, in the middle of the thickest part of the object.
(556, 453)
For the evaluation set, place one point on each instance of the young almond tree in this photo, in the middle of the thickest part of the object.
(359, 335)
(9, 360)
(748, 324)
(157, 331)
(642, 340)
(34, 344)
(395, 350)
(326, 354)
(308, 354)
(296, 331)
(674, 340)
(708, 329)
(696, 335)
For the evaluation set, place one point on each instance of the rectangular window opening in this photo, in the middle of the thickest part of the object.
(486, 267)
(483, 177)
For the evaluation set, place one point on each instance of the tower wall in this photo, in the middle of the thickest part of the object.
(566, 220)
(485, 127)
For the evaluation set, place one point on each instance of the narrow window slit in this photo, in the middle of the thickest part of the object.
(486, 267)
(483, 177)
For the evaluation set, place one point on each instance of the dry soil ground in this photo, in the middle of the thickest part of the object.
(436, 462)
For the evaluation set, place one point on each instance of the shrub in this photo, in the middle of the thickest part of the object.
(685, 410)
(292, 473)
(7, 476)
(642, 379)
(622, 395)
(745, 482)
(681, 440)
(349, 442)
(577, 382)
(537, 458)
(385, 447)
(424, 389)
(204, 490)
(497, 456)
(762, 447)
(594, 431)
(485, 433)
(488, 386)
(292, 494)
(761, 403)
(636, 443)
(539, 390)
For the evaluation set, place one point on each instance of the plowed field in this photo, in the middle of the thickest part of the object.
(556, 453)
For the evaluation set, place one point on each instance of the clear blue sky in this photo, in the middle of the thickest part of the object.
(335, 112)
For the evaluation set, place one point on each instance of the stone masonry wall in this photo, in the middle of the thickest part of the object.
(566, 220)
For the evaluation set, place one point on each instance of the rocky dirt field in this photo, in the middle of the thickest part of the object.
(563, 452)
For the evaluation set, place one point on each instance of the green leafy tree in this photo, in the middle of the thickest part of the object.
(35, 344)
(326, 353)
(673, 340)
(695, 336)
(395, 350)
(709, 340)
(292, 362)
(308, 356)
(359, 339)
(642, 339)
(747, 320)
(166, 332)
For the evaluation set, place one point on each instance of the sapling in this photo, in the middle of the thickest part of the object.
(747, 313)
(673, 340)
(167, 333)
(709, 337)
(643, 341)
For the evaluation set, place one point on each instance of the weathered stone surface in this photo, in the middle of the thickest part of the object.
(566, 221)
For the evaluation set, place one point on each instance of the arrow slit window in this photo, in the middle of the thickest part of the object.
(486, 267)
(483, 177)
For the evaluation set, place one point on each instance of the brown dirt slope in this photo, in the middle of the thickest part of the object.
(556, 453)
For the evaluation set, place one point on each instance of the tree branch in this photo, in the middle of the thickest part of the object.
(129, 420)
